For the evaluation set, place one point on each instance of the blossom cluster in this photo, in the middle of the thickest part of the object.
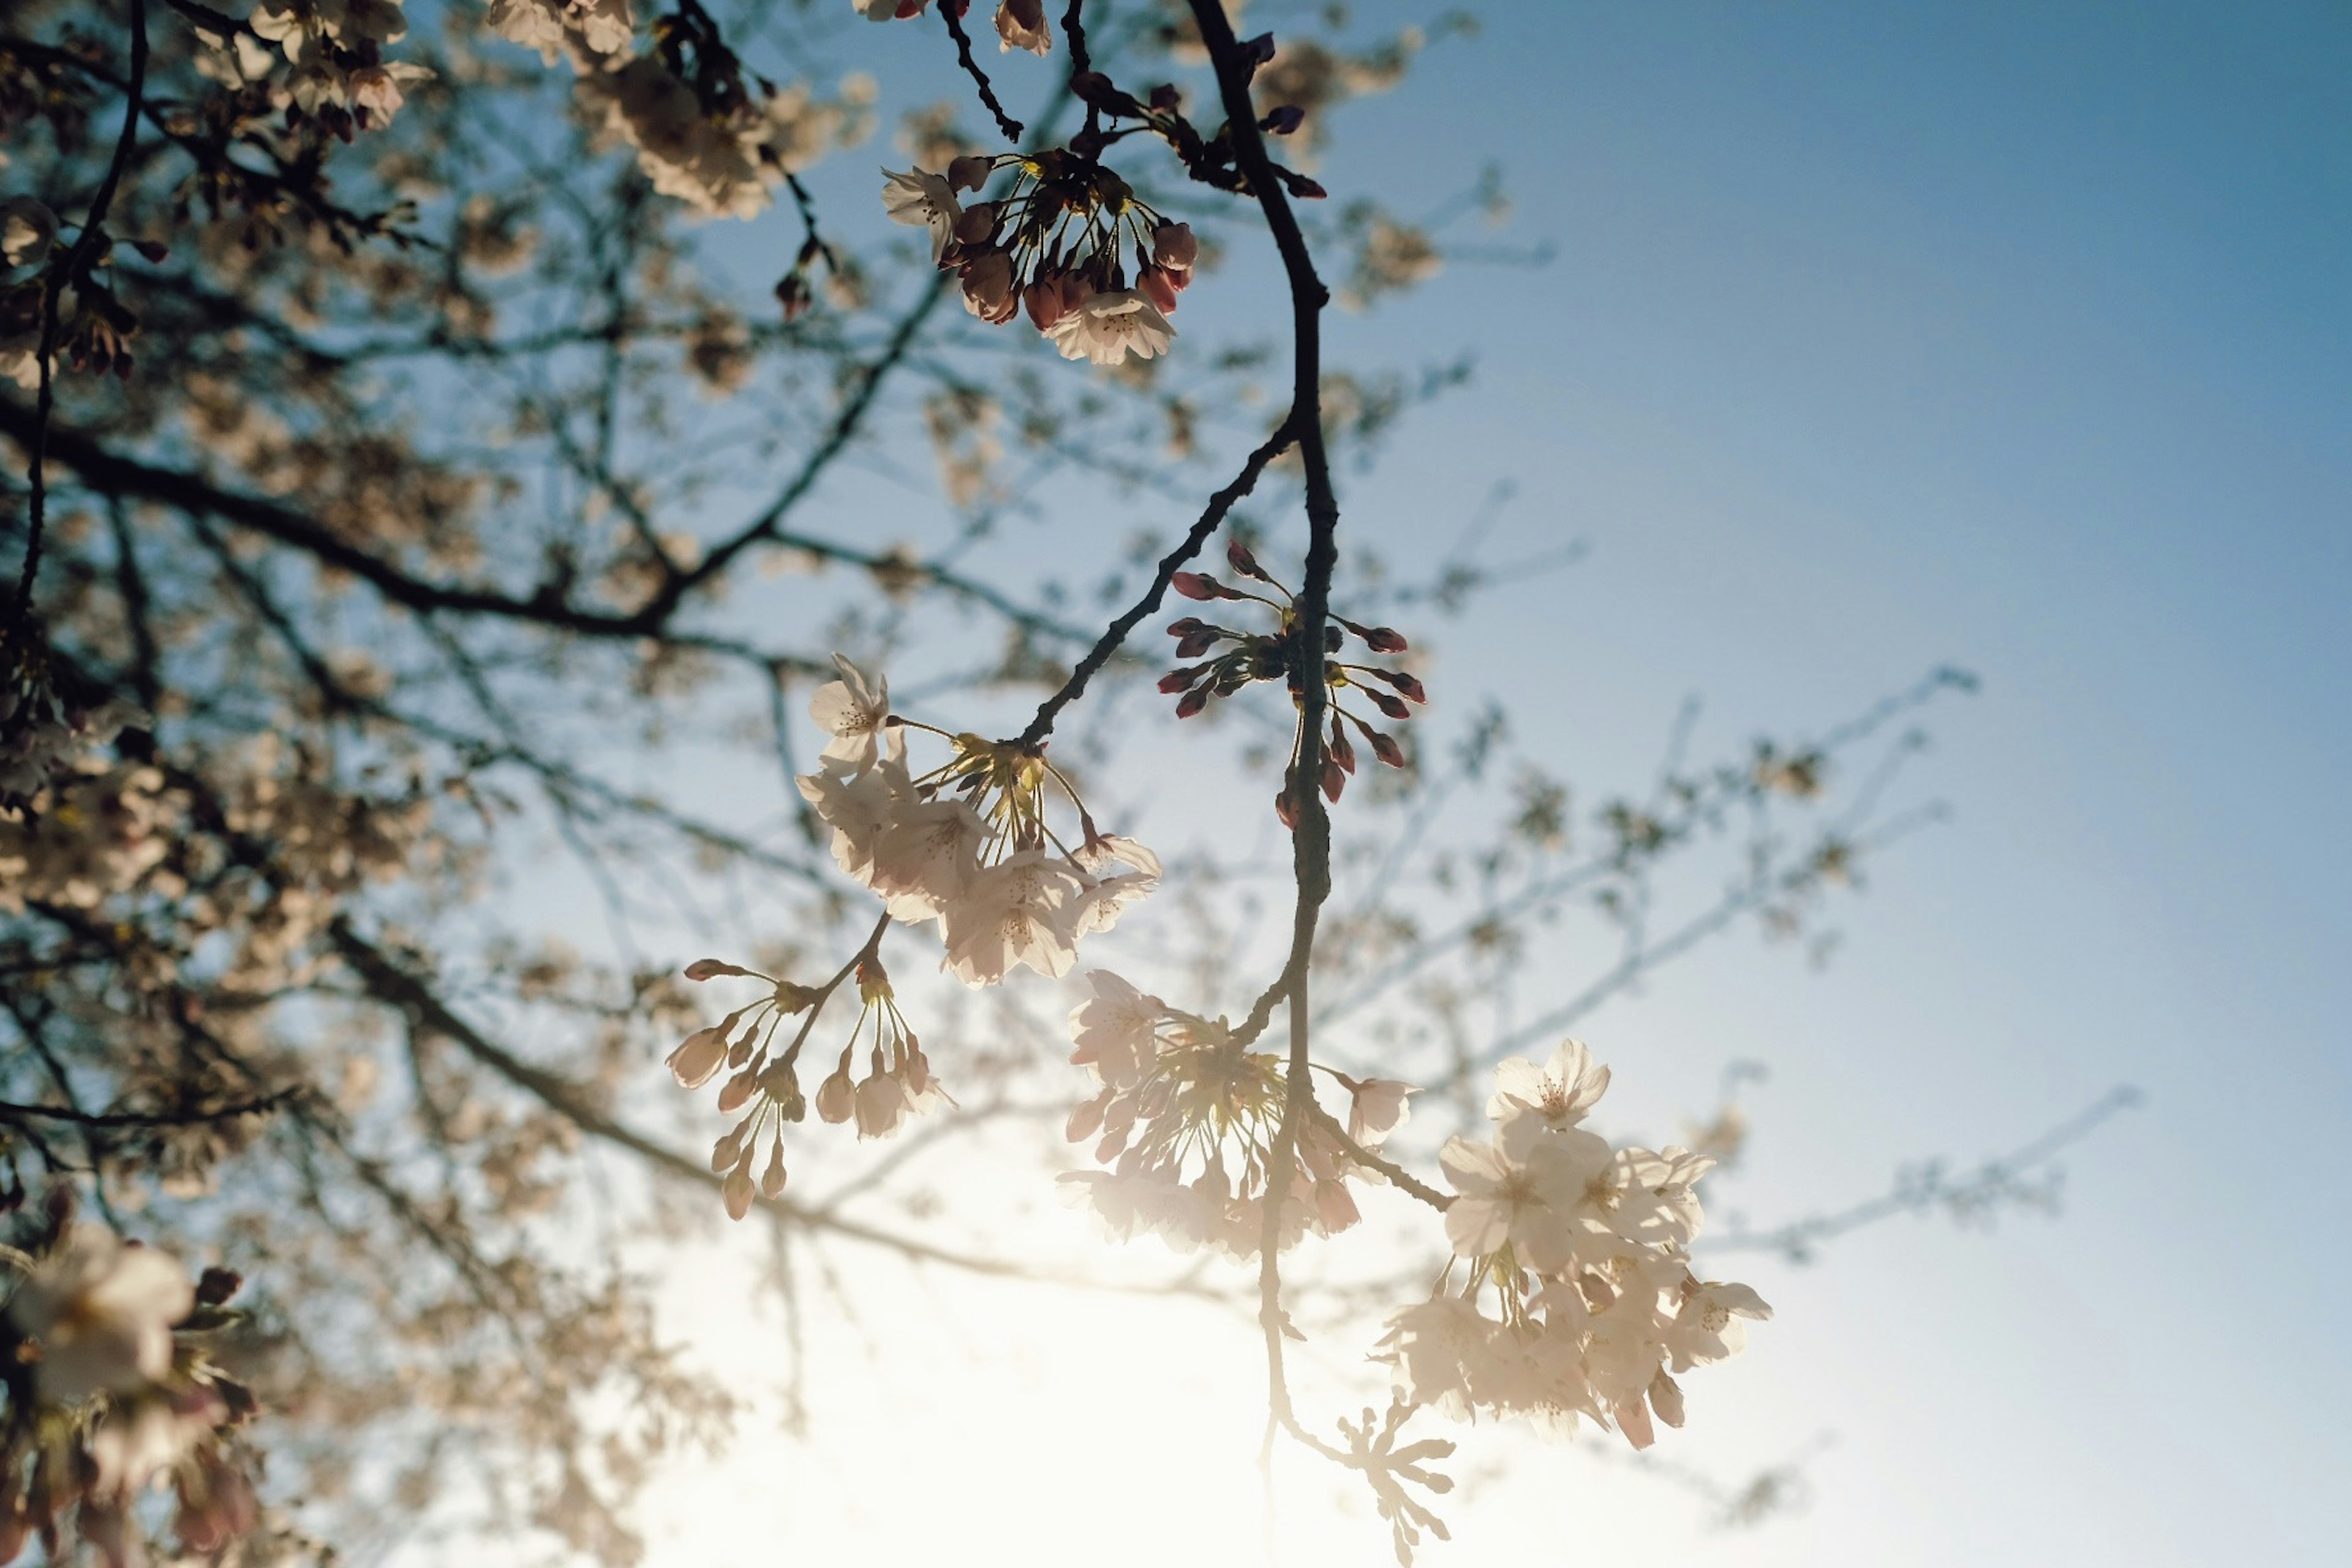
(109, 1390)
(766, 1075)
(1584, 1251)
(1020, 24)
(702, 133)
(1250, 657)
(1189, 1118)
(968, 844)
(335, 47)
(1054, 243)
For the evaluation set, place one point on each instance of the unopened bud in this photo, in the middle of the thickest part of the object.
(772, 1180)
(1385, 748)
(1174, 246)
(976, 223)
(1286, 120)
(1193, 702)
(736, 1191)
(694, 1061)
(969, 172)
(737, 1090)
(1156, 286)
(710, 969)
(1197, 586)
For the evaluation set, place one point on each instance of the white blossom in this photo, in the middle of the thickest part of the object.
(1108, 326)
(1376, 1108)
(1559, 1094)
(1115, 1029)
(101, 1311)
(1021, 24)
(853, 711)
(921, 199)
(1709, 1326)
(1021, 911)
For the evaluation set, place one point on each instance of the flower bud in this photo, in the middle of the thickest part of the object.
(1043, 300)
(1195, 644)
(28, 230)
(1380, 639)
(1193, 702)
(1283, 121)
(969, 172)
(1393, 706)
(1197, 586)
(1157, 287)
(1285, 806)
(1243, 560)
(710, 969)
(736, 1191)
(726, 1151)
(1174, 247)
(1385, 748)
(977, 222)
(772, 1180)
(836, 1096)
(1334, 780)
(737, 1090)
(694, 1062)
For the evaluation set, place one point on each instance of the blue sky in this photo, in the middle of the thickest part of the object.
(2016, 336)
(1878, 337)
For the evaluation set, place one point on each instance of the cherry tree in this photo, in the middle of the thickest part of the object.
(457, 448)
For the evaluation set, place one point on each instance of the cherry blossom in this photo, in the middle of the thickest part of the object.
(1108, 326)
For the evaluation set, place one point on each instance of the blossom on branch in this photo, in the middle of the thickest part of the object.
(1584, 1249)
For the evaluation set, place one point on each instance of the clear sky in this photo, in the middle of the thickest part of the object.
(2020, 336)
(1877, 337)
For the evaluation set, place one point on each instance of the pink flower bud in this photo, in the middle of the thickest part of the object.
(1173, 246)
(1243, 560)
(1381, 640)
(710, 969)
(977, 222)
(1157, 288)
(1334, 780)
(836, 1096)
(737, 1190)
(1044, 301)
(1393, 706)
(1176, 680)
(693, 1063)
(1196, 585)
(1193, 702)
(1385, 748)
(772, 1180)
(737, 1092)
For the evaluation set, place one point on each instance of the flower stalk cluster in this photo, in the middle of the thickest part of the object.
(1056, 245)
(1280, 655)
(970, 845)
(1188, 1119)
